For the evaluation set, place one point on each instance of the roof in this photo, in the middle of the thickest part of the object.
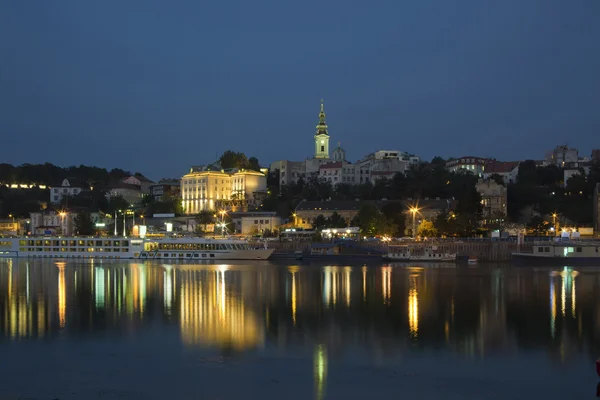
(331, 165)
(498, 167)
(142, 178)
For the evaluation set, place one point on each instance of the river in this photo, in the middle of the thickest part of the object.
(287, 330)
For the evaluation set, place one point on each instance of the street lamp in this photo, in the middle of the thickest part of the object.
(62, 215)
(223, 213)
(414, 211)
(554, 215)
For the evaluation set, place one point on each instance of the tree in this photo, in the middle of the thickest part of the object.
(253, 164)
(204, 218)
(320, 222)
(231, 159)
(336, 221)
(538, 225)
(371, 222)
(83, 223)
(426, 229)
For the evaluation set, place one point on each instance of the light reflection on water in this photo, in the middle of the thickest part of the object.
(325, 311)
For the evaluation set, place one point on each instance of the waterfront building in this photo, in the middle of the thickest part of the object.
(206, 189)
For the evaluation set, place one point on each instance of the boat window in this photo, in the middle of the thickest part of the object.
(196, 255)
(212, 255)
(204, 255)
(116, 243)
(540, 249)
(569, 249)
(125, 243)
(98, 242)
(547, 249)
(579, 249)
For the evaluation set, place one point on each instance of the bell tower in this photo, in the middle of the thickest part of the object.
(322, 137)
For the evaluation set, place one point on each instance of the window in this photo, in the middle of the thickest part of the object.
(579, 249)
(255, 222)
(322, 148)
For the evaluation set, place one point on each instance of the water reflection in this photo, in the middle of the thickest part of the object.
(472, 311)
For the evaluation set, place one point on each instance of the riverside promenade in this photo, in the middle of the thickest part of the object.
(486, 251)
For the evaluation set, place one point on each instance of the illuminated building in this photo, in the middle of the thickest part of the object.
(205, 189)
(322, 136)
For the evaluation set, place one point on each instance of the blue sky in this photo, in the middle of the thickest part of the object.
(155, 86)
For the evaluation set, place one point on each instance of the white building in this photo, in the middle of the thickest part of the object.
(140, 181)
(508, 170)
(474, 165)
(255, 223)
(382, 163)
(210, 190)
(562, 155)
(64, 190)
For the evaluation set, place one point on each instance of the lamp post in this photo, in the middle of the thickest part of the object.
(223, 212)
(554, 215)
(414, 211)
(62, 222)
(13, 223)
(115, 222)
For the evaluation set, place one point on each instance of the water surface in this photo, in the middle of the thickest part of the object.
(123, 330)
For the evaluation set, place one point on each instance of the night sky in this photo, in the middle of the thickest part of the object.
(156, 86)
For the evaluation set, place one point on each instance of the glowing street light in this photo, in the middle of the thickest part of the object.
(414, 210)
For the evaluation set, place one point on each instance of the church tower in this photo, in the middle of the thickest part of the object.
(322, 137)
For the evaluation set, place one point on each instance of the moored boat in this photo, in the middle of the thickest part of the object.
(564, 252)
(409, 253)
(133, 248)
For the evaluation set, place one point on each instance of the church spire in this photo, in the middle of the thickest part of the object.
(322, 126)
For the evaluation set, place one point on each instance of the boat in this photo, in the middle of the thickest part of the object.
(194, 248)
(409, 253)
(472, 260)
(563, 252)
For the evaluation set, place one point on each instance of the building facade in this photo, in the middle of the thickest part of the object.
(206, 190)
(140, 181)
(255, 223)
(66, 189)
(562, 155)
(380, 164)
(475, 165)
(508, 171)
(493, 200)
(162, 188)
(132, 194)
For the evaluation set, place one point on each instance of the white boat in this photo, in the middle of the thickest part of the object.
(409, 253)
(563, 252)
(122, 248)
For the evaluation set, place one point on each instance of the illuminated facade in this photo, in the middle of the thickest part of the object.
(493, 199)
(210, 190)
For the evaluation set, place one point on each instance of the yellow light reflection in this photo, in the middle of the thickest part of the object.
(330, 285)
(294, 298)
(386, 278)
(213, 314)
(552, 308)
(413, 307)
(320, 370)
(347, 285)
(573, 298)
(364, 282)
(563, 298)
(62, 296)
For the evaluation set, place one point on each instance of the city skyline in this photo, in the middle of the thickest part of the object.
(157, 89)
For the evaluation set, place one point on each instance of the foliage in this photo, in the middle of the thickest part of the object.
(426, 229)
(538, 225)
(231, 159)
(372, 222)
(169, 204)
(335, 221)
(83, 224)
